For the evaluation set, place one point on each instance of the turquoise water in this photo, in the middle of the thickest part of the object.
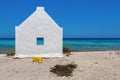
(74, 44)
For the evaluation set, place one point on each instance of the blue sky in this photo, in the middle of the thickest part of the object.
(79, 18)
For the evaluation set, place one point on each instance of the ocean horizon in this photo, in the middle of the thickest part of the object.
(75, 44)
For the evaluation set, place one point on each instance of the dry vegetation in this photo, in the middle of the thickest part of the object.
(63, 70)
(11, 53)
(67, 51)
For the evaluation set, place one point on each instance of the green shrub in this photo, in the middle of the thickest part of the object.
(63, 70)
(11, 53)
(72, 65)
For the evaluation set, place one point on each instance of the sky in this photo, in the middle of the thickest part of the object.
(79, 18)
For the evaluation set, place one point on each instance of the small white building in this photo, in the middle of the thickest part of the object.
(39, 26)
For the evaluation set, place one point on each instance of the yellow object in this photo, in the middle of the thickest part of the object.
(37, 59)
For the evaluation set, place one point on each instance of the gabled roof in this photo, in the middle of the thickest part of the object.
(39, 16)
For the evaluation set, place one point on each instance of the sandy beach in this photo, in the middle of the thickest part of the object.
(98, 65)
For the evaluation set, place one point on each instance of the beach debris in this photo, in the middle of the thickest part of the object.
(37, 59)
(117, 52)
(63, 70)
(96, 62)
(16, 58)
(106, 57)
(11, 52)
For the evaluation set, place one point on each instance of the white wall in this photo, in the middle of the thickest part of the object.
(39, 24)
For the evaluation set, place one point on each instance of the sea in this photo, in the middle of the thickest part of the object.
(75, 44)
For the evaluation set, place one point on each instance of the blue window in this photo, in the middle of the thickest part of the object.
(40, 41)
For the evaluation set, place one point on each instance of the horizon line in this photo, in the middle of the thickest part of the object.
(76, 38)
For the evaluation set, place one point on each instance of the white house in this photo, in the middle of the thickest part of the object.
(39, 26)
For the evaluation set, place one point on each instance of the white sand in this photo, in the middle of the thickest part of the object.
(91, 66)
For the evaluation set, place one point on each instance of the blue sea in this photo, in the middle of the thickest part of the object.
(76, 44)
